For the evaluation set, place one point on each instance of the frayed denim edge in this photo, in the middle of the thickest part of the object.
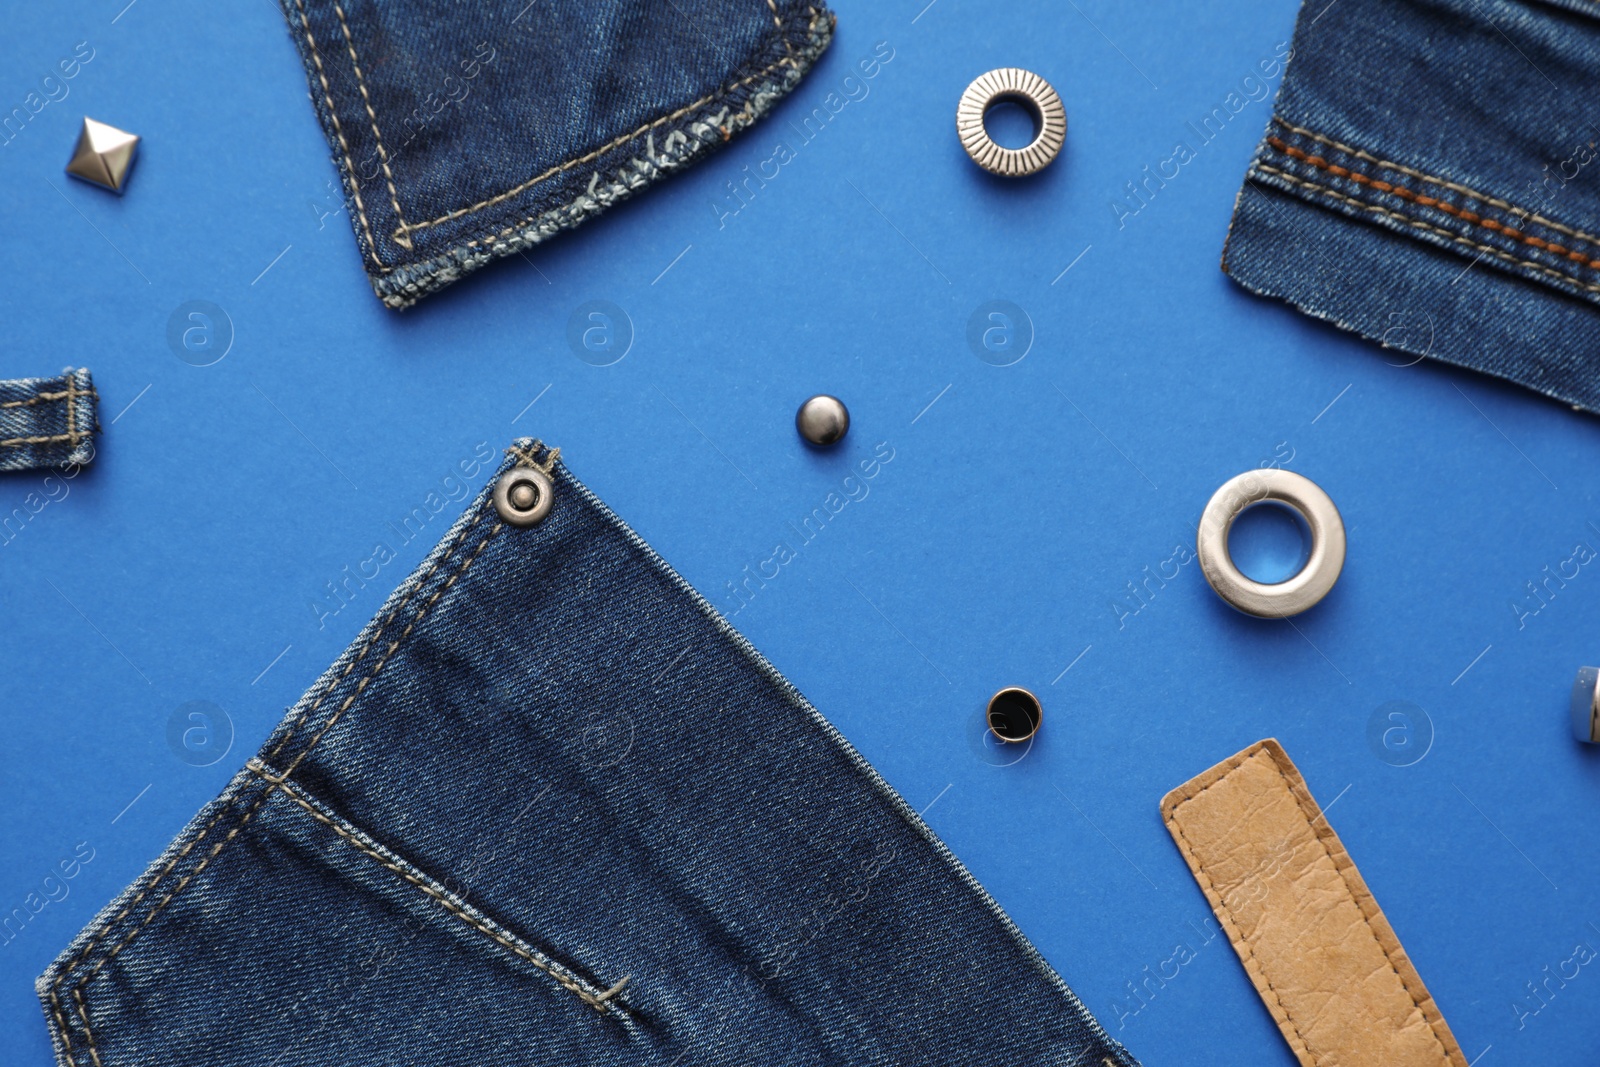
(710, 127)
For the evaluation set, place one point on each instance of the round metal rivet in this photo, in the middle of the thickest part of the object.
(1314, 580)
(523, 496)
(1014, 714)
(1032, 92)
(822, 420)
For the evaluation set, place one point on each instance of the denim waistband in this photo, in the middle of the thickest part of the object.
(465, 131)
(549, 807)
(1427, 181)
(47, 422)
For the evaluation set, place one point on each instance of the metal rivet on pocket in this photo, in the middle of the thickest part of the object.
(1014, 714)
(523, 496)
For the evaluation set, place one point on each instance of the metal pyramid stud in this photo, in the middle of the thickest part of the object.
(104, 155)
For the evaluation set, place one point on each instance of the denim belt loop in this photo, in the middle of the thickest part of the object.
(47, 422)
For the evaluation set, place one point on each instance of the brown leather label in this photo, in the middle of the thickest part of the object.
(1326, 962)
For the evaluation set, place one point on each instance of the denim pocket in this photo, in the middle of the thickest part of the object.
(398, 885)
(280, 933)
(466, 131)
(510, 826)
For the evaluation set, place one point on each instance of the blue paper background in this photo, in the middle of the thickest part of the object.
(990, 551)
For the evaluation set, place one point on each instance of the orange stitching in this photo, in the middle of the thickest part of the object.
(509, 193)
(333, 113)
(1455, 238)
(361, 83)
(602, 150)
(1431, 180)
(72, 407)
(1493, 225)
(293, 793)
(518, 225)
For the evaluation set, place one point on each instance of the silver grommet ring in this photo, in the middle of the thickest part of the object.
(1281, 599)
(523, 496)
(1032, 92)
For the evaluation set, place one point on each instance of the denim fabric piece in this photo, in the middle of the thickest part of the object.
(550, 808)
(1431, 181)
(47, 422)
(464, 131)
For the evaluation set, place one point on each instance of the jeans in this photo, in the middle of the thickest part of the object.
(1429, 181)
(466, 131)
(550, 808)
(47, 422)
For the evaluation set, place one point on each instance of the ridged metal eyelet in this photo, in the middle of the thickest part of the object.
(1032, 92)
(523, 496)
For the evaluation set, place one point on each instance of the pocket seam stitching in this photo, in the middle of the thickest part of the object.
(61, 1024)
(83, 1013)
(267, 793)
(373, 641)
(298, 721)
(294, 793)
(720, 91)
(338, 131)
(383, 153)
